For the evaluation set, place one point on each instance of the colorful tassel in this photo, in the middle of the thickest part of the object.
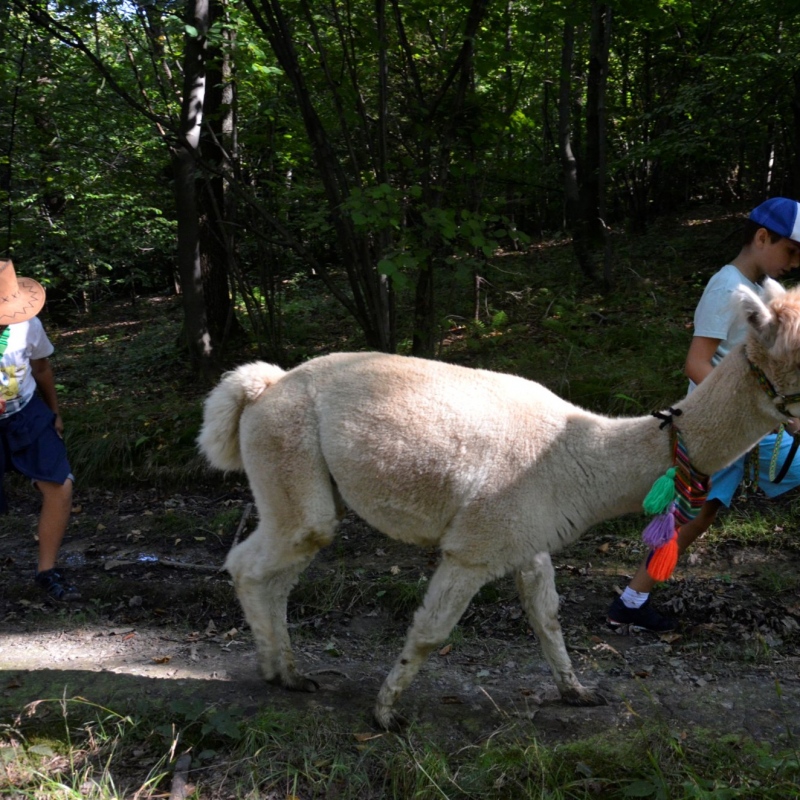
(660, 529)
(661, 494)
(662, 561)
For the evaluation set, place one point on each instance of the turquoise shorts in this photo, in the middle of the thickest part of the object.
(725, 482)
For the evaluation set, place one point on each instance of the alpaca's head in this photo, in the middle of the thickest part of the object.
(774, 340)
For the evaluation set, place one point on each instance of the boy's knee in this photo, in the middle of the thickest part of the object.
(60, 490)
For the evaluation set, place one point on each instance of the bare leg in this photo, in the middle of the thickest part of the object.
(537, 589)
(53, 520)
(451, 588)
(687, 534)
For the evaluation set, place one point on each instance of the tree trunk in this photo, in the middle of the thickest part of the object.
(795, 166)
(7, 164)
(386, 294)
(357, 255)
(214, 234)
(459, 83)
(594, 173)
(198, 336)
(569, 161)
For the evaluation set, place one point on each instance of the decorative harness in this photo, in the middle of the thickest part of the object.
(766, 384)
(677, 496)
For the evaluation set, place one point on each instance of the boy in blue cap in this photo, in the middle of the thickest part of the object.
(30, 423)
(771, 247)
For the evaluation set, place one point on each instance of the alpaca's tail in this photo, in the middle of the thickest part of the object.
(219, 435)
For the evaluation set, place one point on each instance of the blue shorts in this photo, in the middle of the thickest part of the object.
(725, 482)
(30, 445)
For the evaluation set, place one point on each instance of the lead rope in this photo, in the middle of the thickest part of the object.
(773, 462)
(775, 475)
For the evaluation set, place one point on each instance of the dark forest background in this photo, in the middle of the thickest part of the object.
(380, 153)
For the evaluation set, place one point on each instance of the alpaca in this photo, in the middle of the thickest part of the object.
(496, 471)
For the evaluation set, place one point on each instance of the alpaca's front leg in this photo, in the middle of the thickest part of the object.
(449, 592)
(262, 587)
(537, 590)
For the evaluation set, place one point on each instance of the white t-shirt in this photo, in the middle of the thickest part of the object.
(717, 315)
(27, 341)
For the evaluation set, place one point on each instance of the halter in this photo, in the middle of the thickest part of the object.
(765, 383)
(784, 400)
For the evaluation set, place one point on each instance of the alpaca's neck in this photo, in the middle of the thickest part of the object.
(722, 419)
(726, 415)
(621, 460)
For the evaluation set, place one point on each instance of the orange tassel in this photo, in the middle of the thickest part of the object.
(662, 561)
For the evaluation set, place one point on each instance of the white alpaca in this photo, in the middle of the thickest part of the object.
(496, 471)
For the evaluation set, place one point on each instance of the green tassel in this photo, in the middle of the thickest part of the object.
(661, 494)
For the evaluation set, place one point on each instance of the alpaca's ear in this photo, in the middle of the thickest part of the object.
(758, 315)
(770, 290)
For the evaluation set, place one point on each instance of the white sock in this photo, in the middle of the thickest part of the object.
(633, 599)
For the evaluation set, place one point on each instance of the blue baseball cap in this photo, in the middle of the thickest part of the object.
(780, 215)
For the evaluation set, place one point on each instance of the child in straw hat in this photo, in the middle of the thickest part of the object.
(31, 429)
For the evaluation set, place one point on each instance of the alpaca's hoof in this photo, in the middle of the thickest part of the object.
(387, 719)
(583, 697)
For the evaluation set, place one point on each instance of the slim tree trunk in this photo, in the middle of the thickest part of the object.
(457, 87)
(594, 163)
(7, 164)
(386, 294)
(796, 134)
(214, 236)
(569, 161)
(184, 156)
(594, 173)
(356, 253)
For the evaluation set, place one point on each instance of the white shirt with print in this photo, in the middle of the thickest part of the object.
(27, 341)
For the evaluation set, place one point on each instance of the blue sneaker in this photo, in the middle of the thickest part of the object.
(644, 618)
(56, 586)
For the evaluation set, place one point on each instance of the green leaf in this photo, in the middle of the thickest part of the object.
(42, 750)
(223, 722)
(640, 789)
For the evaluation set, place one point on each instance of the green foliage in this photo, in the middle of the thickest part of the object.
(461, 240)
(124, 419)
(470, 162)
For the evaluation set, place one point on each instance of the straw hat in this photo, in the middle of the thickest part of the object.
(20, 298)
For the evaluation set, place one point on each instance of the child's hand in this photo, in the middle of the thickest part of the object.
(792, 426)
(59, 424)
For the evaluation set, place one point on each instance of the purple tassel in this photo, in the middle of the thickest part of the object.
(661, 529)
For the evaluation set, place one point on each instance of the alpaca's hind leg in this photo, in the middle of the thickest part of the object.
(451, 588)
(537, 590)
(264, 570)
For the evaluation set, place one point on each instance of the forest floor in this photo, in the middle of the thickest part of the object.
(158, 623)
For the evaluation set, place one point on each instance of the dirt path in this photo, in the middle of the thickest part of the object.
(148, 634)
